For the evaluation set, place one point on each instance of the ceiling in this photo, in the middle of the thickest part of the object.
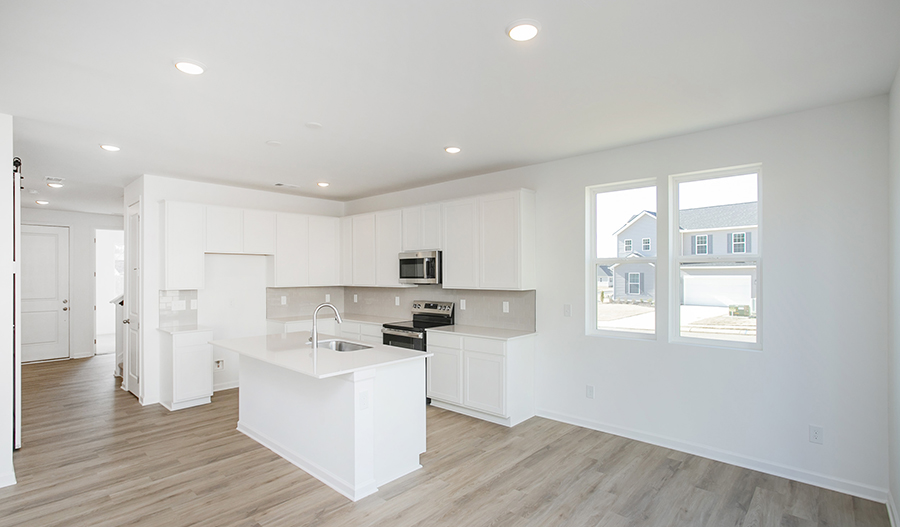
(393, 82)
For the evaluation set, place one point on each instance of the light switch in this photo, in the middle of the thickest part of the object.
(462, 304)
(506, 307)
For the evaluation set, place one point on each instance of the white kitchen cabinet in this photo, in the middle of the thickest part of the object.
(347, 251)
(186, 364)
(364, 250)
(291, 262)
(184, 233)
(324, 251)
(258, 232)
(460, 253)
(325, 325)
(488, 378)
(224, 230)
(388, 245)
(444, 373)
(365, 332)
(422, 227)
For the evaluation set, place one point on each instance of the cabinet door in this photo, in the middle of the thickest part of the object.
(460, 257)
(431, 226)
(364, 250)
(347, 251)
(485, 382)
(498, 216)
(291, 250)
(259, 232)
(324, 250)
(388, 244)
(444, 372)
(224, 230)
(185, 237)
(193, 372)
(412, 229)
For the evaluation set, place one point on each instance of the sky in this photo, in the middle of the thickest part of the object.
(614, 209)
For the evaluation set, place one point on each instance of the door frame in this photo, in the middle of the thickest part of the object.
(138, 204)
(67, 296)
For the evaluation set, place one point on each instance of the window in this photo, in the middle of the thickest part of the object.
(634, 283)
(738, 243)
(621, 295)
(715, 297)
(701, 244)
(645, 244)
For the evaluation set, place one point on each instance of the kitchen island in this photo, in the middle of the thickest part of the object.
(354, 420)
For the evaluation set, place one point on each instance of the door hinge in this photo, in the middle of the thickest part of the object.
(95, 341)
(95, 308)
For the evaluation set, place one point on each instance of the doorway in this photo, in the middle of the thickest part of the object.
(109, 285)
(45, 292)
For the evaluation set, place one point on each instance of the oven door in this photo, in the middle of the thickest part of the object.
(414, 340)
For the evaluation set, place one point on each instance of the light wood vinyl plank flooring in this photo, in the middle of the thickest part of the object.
(93, 456)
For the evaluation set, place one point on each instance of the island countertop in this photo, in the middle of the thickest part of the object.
(291, 351)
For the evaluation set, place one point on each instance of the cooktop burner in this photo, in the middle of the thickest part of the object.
(426, 315)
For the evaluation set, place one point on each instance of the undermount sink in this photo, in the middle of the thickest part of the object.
(341, 345)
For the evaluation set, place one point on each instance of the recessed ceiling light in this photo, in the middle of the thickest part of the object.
(313, 125)
(42, 202)
(273, 142)
(190, 67)
(322, 184)
(53, 181)
(55, 185)
(452, 149)
(110, 148)
(522, 30)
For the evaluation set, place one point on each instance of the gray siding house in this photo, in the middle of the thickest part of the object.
(636, 240)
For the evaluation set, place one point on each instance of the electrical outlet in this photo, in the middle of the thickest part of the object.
(462, 304)
(364, 400)
(179, 305)
(355, 299)
(506, 307)
(283, 300)
(589, 391)
(194, 303)
(567, 310)
(396, 300)
(327, 297)
(220, 364)
(816, 434)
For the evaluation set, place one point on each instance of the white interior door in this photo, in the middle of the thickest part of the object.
(45, 293)
(133, 300)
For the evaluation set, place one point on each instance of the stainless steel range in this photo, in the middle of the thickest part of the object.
(410, 334)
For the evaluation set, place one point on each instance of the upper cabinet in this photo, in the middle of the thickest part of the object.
(489, 242)
(307, 251)
(363, 253)
(369, 250)
(422, 227)
(324, 250)
(231, 230)
(184, 236)
(388, 245)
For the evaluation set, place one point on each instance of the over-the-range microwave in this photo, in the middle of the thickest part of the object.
(420, 267)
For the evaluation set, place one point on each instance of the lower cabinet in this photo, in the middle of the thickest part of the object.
(364, 332)
(186, 363)
(488, 378)
(324, 325)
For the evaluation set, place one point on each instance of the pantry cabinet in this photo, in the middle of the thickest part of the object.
(184, 238)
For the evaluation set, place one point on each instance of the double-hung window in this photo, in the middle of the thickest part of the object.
(716, 293)
(626, 303)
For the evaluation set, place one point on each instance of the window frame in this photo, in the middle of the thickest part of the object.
(705, 244)
(677, 258)
(628, 246)
(645, 243)
(630, 283)
(592, 261)
(743, 242)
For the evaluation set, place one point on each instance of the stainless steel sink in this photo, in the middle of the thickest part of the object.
(341, 345)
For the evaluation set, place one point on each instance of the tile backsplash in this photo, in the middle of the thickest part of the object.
(300, 301)
(177, 308)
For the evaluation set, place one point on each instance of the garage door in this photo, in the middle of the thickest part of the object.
(705, 290)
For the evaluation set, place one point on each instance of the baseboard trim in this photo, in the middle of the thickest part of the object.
(7, 479)
(230, 385)
(314, 470)
(892, 510)
(853, 488)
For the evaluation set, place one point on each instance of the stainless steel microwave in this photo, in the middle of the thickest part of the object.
(420, 267)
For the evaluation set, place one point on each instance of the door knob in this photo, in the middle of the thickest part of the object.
(127, 321)
(65, 301)
(65, 309)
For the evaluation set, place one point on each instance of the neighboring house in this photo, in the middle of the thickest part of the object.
(719, 230)
(604, 277)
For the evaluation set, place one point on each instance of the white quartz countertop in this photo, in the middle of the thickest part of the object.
(291, 351)
(477, 331)
(349, 317)
(185, 329)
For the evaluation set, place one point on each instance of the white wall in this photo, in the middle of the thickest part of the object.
(233, 303)
(894, 419)
(152, 190)
(7, 472)
(81, 269)
(824, 359)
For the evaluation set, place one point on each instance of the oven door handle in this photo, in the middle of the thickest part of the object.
(401, 333)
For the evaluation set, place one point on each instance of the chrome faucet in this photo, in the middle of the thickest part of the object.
(314, 337)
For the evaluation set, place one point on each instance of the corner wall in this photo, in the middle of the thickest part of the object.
(894, 351)
(825, 222)
(7, 471)
(81, 268)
